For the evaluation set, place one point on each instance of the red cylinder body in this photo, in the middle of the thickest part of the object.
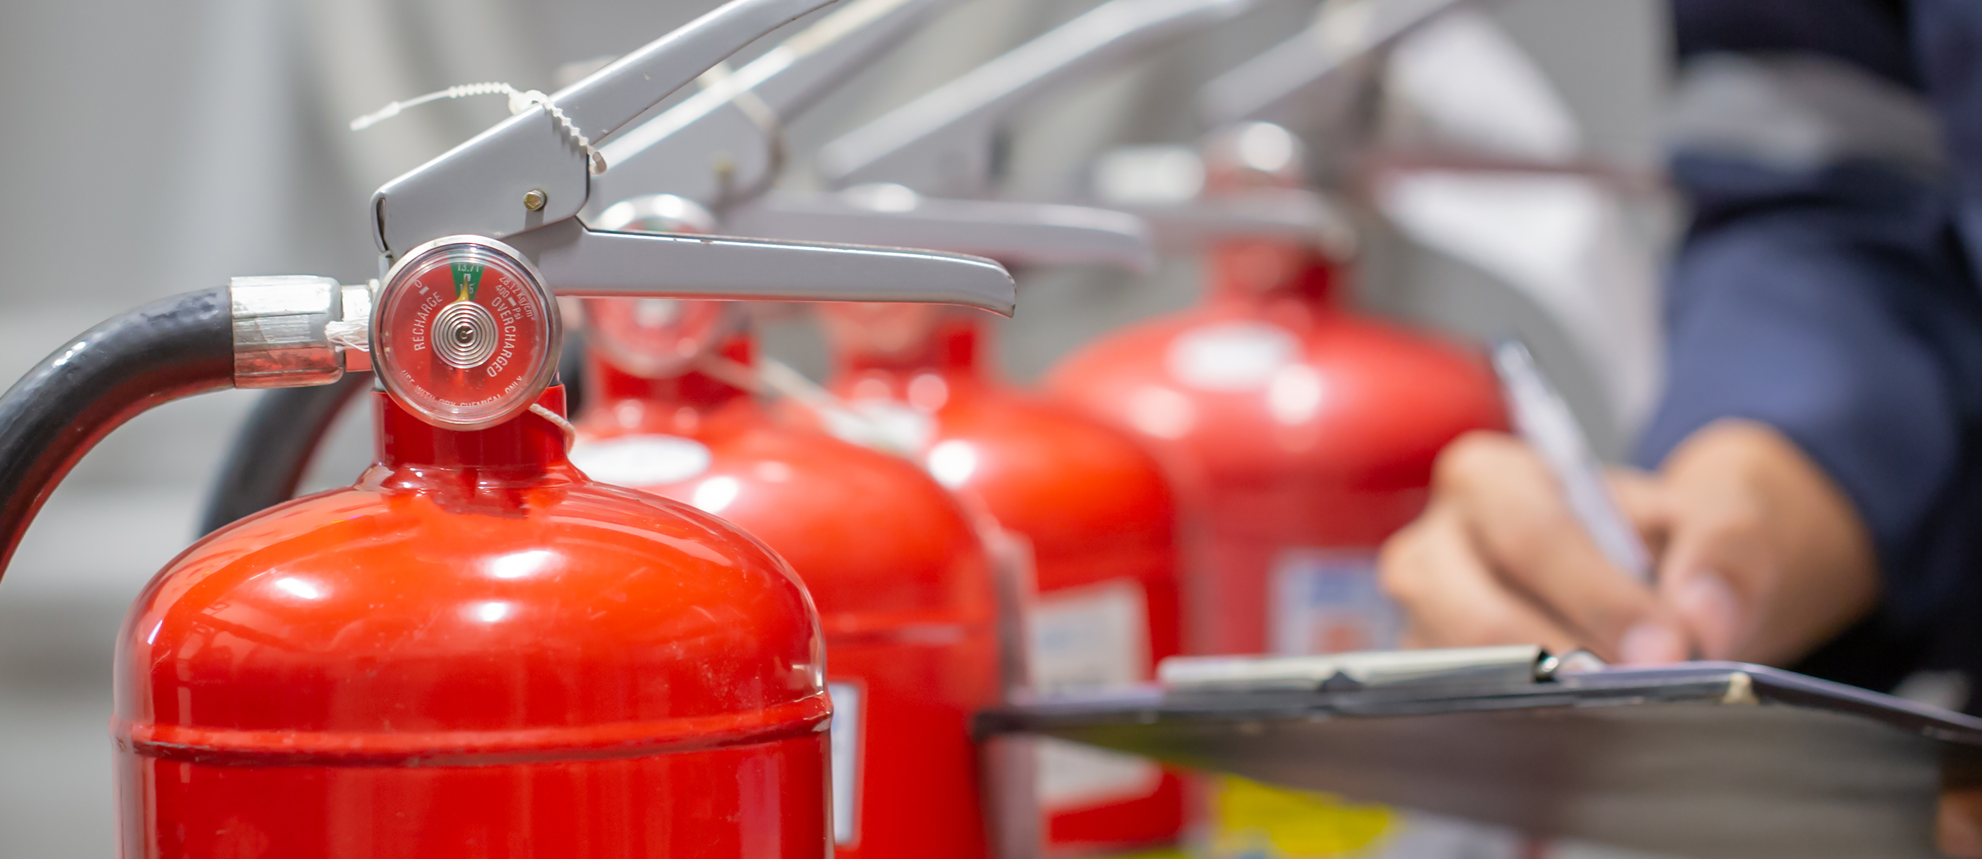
(1301, 435)
(475, 651)
(1099, 518)
(902, 582)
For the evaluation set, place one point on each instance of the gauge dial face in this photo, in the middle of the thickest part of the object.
(466, 333)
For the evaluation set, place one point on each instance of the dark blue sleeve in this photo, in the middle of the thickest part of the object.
(1872, 34)
(1836, 306)
(1827, 286)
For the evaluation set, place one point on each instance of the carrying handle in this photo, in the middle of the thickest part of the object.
(1295, 79)
(613, 96)
(1014, 233)
(720, 149)
(725, 142)
(531, 170)
(940, 143)
(578, 261)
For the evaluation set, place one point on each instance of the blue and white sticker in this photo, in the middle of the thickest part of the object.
(1328, 601)
(1084, 639)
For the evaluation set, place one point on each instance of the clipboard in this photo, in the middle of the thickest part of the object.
(1703, 759)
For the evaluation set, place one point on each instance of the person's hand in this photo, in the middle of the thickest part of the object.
(1760, 557)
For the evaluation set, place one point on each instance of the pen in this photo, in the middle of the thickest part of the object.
(1545, 422)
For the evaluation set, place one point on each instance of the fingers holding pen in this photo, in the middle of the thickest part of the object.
(1449, 596)
(1646, 501)
(1525, 533)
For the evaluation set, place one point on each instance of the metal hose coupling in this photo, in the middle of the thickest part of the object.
(293, 331)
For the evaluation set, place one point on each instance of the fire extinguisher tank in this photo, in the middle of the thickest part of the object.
(903, 586)
(1095, 511)
(475, 651)
(1301, 435)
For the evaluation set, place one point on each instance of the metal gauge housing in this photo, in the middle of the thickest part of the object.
(466, 333)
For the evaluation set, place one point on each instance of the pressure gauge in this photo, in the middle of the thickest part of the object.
(466, 333)
(657, 338)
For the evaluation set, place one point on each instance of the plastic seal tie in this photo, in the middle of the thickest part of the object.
(519, 101)
(349, 334)
(570, 432)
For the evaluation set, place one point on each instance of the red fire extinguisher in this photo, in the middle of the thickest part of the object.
(904, 587)
(475, 650)
(1302, 433)
(470, 651)
(1092, 504)
(909, 597)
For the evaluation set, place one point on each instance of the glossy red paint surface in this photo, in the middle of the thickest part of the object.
(1301, 436)
(1093, 506)
(895, 565)
(475, 651)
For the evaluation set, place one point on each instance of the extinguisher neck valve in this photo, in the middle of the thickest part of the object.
(293, 331)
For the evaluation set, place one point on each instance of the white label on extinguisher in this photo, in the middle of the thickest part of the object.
(641, 460)
(846, 730)
(1094, 637)
(1328, 601)
(1231, 356)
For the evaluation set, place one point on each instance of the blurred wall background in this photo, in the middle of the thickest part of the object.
(154, 148)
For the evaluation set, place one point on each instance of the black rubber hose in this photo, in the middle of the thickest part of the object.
(275, 448)
(132, 362)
